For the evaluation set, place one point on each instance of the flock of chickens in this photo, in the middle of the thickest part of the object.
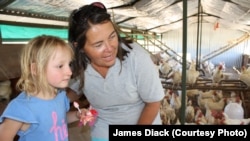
(203, 107)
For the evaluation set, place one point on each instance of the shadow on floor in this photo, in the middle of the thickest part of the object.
(78, 133)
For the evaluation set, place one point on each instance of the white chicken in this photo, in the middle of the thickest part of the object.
(175, 101)
(200, 118)
(216, 95)
(176, 78)
(164, 56)
(165, 68)
(192, 74)
(228, 121)
(167, 112)
(202, 101)
(218, 106)
(245, 76)
(210, 94)
(192, 93)
(208, 67)
(209, 117)
(190, 112)
(233, 97)
(213, 117)
(168, 94)
(217, 75)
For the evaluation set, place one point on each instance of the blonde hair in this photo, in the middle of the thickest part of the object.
(34, 59)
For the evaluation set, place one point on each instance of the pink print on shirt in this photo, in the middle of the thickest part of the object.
(59, 130)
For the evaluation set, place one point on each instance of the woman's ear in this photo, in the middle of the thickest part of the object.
(75, 44)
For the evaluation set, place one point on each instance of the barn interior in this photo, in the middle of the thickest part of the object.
(208, 33)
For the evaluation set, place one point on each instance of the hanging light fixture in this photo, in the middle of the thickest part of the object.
(216, 25)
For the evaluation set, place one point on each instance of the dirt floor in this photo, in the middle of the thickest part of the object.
(79, 133)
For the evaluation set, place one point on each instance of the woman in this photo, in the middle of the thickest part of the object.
(118, 79)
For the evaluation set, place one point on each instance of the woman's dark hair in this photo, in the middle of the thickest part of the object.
(80, 22)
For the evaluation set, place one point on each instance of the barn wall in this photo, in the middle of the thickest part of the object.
(211, 40)
(9, 61)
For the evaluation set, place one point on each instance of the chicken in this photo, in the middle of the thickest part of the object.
(223, 66)
(216, 94)
(209, 117)
(218, 106)
(190, 112)
(213, 116)
(245, 76)
(217, 75)
(192, 93)
(206, 94)
(165, 68)
(208, 67)
(159, 56)
(186, 123)
(175, 101)
(228, 121)
(164, 56)
(202, 101)
(192, 74)
(199, 118)
(168, 94)
(167, 113)
(233, 97)
(176, 77)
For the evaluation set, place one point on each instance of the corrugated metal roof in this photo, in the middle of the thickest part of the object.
(157, 16)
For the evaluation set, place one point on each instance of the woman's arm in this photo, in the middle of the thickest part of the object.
(72, 95)
(149, 113)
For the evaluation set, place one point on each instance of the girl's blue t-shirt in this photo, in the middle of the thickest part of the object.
(47, 118)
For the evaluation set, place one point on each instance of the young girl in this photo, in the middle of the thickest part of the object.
(40, 111)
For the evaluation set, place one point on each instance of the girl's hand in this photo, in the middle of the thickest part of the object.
(87, 116)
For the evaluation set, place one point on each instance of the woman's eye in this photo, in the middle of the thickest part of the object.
(112, 36)
(98, 45)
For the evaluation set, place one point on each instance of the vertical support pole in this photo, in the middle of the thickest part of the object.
(184, 62)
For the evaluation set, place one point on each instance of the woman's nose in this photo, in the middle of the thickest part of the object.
(108, 46)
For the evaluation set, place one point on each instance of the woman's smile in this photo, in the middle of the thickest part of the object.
(109, 58)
